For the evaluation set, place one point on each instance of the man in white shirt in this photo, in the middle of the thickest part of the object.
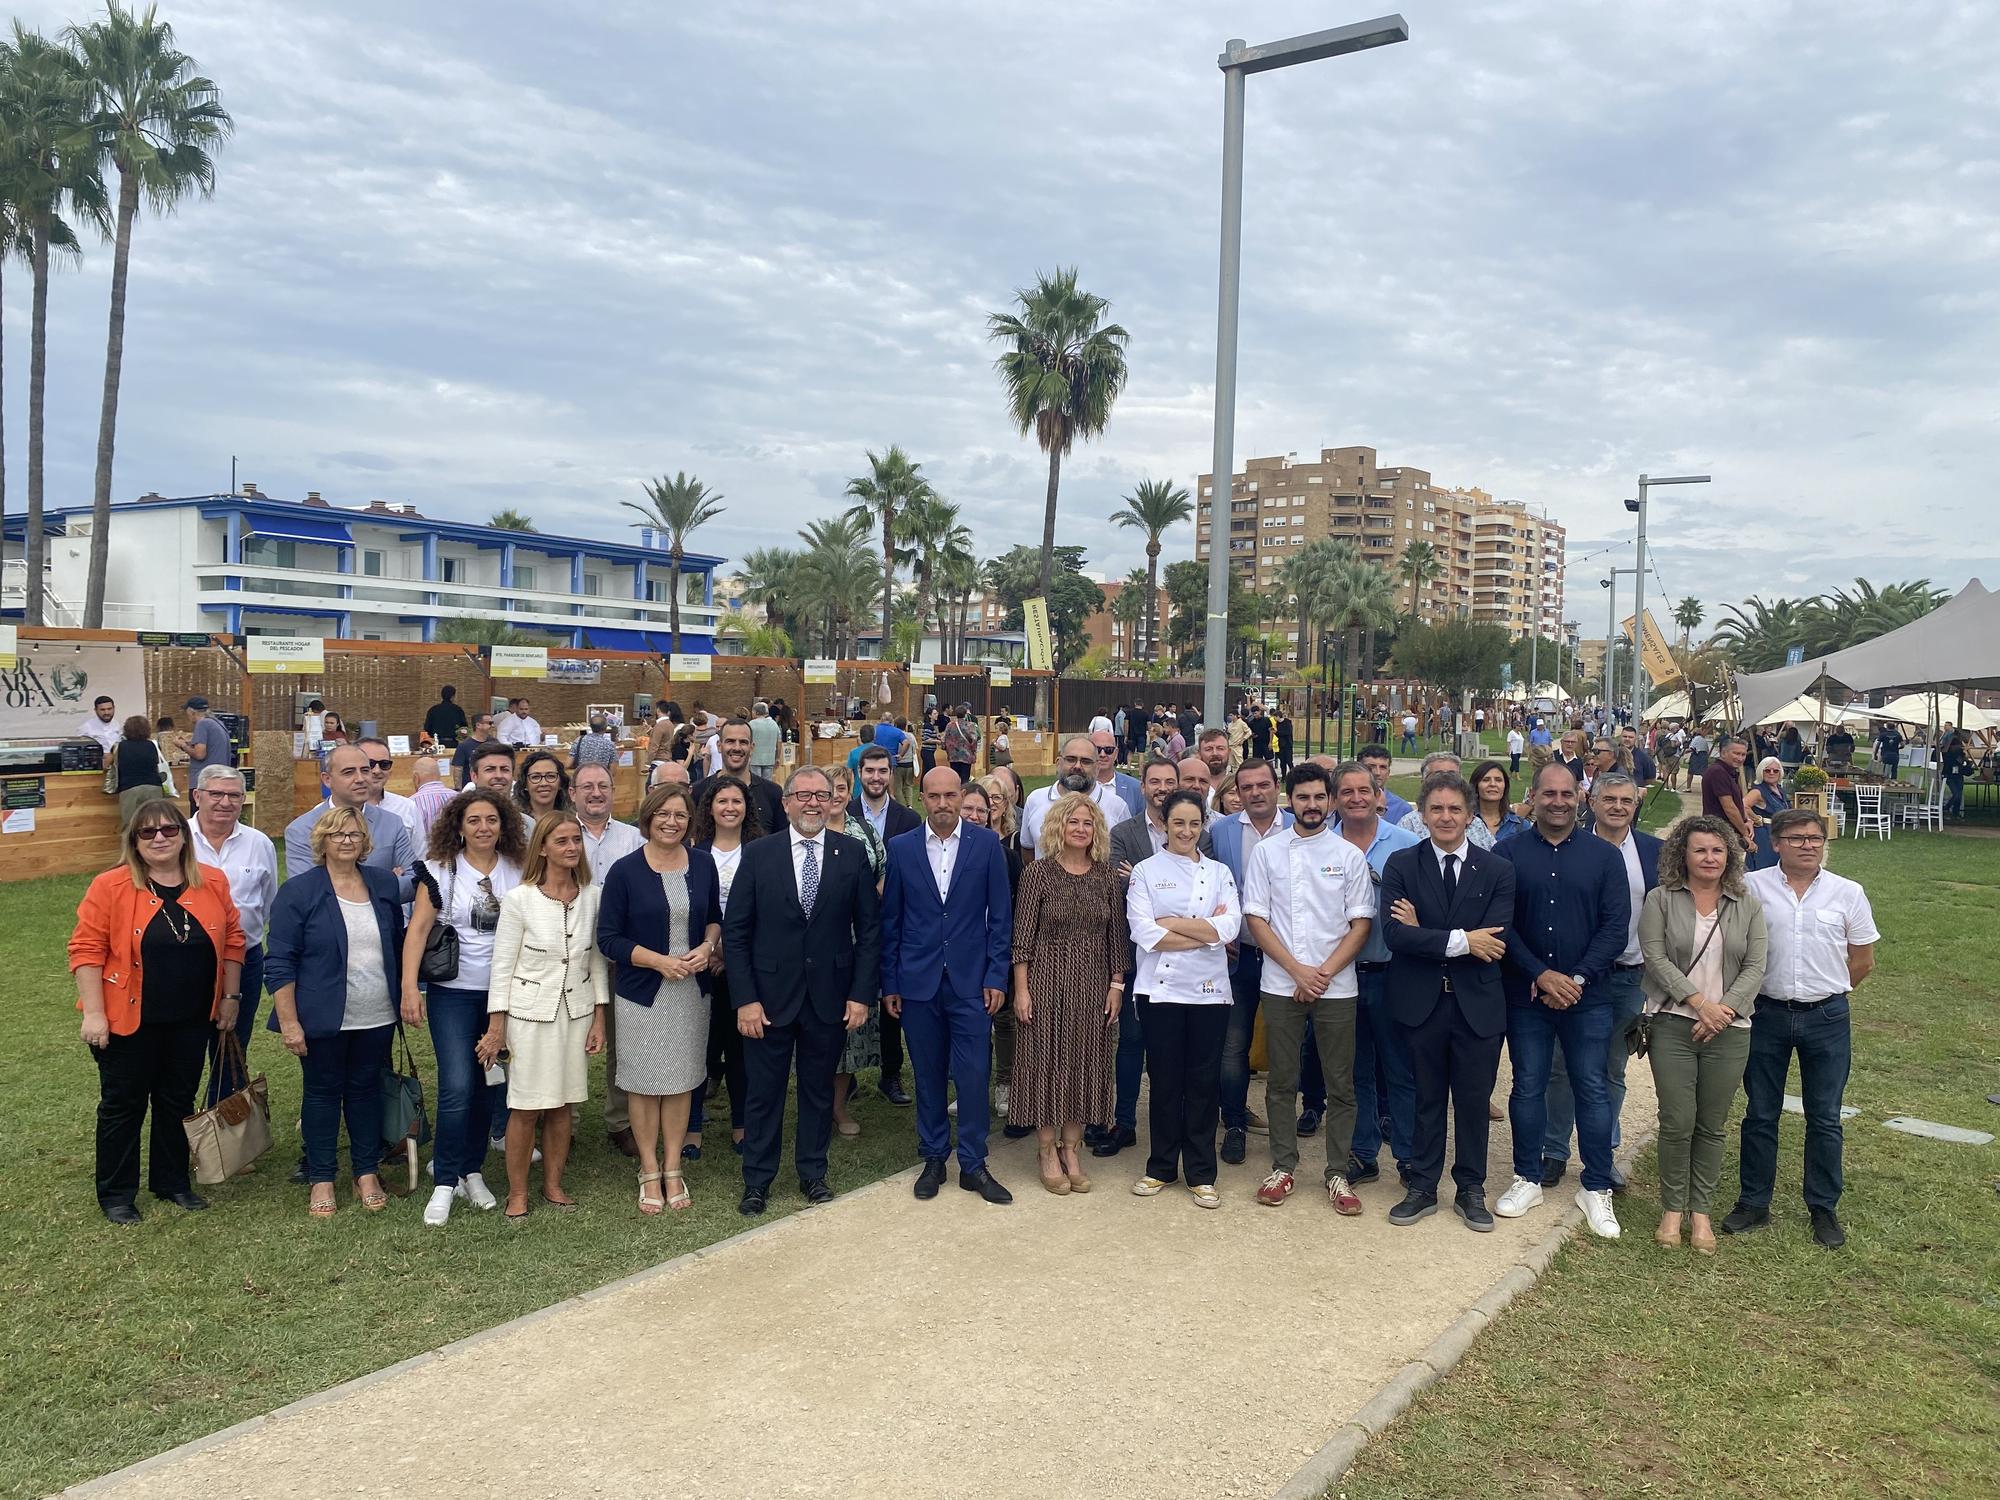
(1309, 904)
(250, 861)
(518, 726)
(1822, 939)
(101, 724)
(1079, 774)
(380, 764)
(1101, 722)
(605, 842)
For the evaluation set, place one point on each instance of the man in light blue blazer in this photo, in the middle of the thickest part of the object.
(947, 944)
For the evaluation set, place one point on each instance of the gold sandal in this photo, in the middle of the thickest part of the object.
(680, 1197)
(650, 1205)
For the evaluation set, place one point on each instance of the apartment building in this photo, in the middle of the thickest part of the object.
(1517, 568)
(1121, 640)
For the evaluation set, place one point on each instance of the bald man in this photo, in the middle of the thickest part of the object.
(671, 773)
(429, 795)
(1196, 776)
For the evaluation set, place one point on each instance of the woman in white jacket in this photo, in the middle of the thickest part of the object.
(546, 998)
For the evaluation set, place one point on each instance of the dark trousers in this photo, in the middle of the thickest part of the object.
(1312, 1077)
(158, 1065)
(725, 1057)
(465, 1102)
(246, 1017)
(951, 1044)
(767, 1069)
(892, 1047)
(1247, 996)
(1381, 1074)
(1513, 765)
(1449, 1061)
(343, 1077)
(1128, 1067)
(1825, 1047)
(1184, 1064)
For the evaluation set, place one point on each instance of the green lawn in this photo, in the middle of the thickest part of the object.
(124, 1342)
(1775, 1368)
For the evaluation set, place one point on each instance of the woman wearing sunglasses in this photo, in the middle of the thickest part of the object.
(473, 861)
(157, 952)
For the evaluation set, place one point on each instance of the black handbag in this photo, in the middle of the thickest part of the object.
(404, 1117)
(1639, 1030)
(439, 963)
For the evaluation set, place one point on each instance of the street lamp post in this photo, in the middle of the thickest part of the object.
(1237, 63)
(1638, 507)
(1611, 634)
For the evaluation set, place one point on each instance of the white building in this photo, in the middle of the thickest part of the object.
(249, 564)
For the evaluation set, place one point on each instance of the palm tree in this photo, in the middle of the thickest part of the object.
(1152, 507)
(676, 506)
(152, 118)
(958, 579)
(760, 637)
(1357, 599)
(891, 484)
(15, 245)
(50, 165)
(1419, 567)
(511, 520)
(836, 579)
(932, 530)
(766, 576)
(1688, 614)
(1063, 371)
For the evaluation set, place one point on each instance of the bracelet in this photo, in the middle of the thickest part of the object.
(237, 996)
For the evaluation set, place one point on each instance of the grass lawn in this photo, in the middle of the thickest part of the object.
(1776, 1368)
(124, 1342)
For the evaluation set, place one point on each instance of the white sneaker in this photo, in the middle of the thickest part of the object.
(1597, 1213)
(1000, 1100)
(439, 1208)
(535, 1157)
(477, 1192)
(952, 1109)
(1519, 1198)
(431, 1167)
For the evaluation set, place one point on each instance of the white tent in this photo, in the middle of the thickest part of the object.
(1810, 710)
(1916, 708)
(1673, 706)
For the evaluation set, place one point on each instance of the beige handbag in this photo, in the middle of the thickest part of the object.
(228, 1137)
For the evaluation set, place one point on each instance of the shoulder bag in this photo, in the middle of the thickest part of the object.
(1639, 1030)
(227, 1137)
(403, 1115)
(439, 963)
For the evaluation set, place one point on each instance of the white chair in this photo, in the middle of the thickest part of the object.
(1868, 814)
(1838, 811)
(1926, 811)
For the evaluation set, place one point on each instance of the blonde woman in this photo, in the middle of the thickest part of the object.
(1070, 946)
(1703, 939)
(547, 993)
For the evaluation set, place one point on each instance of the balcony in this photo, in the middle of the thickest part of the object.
(62, 612)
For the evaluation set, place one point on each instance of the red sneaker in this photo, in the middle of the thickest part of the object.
(1276, 1189)
(1341, 1196)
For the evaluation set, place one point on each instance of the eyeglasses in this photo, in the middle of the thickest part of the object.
(545, 776)
(345, 835)
(381, 765)
(1803, 841)
(810, 796)
(163, 831)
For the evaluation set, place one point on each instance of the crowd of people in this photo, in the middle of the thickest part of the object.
(1030, 957)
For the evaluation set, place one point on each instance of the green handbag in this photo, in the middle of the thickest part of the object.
(403, 1115)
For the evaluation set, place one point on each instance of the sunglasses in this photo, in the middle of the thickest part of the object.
(382, 765)
(161, 831)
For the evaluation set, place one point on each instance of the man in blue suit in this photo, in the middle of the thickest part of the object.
(947, 941)
(1614, 806)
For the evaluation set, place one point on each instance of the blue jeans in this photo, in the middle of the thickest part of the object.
(343, 1076)
(246, 1018)
(1377, 1038)
(1627, 1000)
(1954, 802)
(1825, 1047)
(1243, 986)
(1584, 1031)
(1127, 1069)
(464, 1103)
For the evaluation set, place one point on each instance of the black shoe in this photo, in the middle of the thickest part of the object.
(1309, 1121)
(985, 1184)
(121, 1213)
(930, 1179)
(752, 1202)
(299, 1172)
(1826, 1229)
(194, 1203)
(816, 1191)
(1470, 1205)
(1115, 1140)
(1415, 1206)
(1554, 1170)
(892, 1090)
(1017, 1132)
(1235, 1144)
(1743, 1218)
(1362, 1171)
(1092, 1135)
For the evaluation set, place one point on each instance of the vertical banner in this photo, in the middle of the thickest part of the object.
(1659, 661)
(1041, 651)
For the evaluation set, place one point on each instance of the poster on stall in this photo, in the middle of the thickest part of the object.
(47, 692)
(289, 654)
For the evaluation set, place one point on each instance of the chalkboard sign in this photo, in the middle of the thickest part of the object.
(23, 791)
(82, 755)
(174, 638)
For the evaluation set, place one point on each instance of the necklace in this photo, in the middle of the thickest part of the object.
(182, 929)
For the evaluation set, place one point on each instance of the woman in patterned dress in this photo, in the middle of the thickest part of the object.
(1070, 942)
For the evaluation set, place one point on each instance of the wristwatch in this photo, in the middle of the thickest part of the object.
(1577, 980)
(238, 996)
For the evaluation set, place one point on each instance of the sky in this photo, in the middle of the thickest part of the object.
(530, 256)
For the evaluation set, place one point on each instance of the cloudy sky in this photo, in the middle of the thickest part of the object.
(475, 256)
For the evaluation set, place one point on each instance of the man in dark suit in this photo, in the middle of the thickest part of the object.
(802, 946)
(947, 942)
(1446, 908)
(889, 818)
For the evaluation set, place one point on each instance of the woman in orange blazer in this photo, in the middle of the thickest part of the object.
(157, 954)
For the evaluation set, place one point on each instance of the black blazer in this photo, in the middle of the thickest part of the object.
(775, 957)
(899, 818)
(1417, 965)
(632, 913)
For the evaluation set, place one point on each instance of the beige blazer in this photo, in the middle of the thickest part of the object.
(546, 961)
(1666, 939)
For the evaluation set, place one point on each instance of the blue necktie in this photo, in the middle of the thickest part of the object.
(809, 880)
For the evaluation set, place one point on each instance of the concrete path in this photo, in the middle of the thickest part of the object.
(1103, 1346)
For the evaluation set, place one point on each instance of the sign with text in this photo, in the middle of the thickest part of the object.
(518, 661)
(47, 692)
(1035, 616)
(683, 667)
(1653, 652)
(820, 669)
(174, 638)
(23, 791)
(922, 674)
(289, 654)
(1000, 676)
(9, 646)
(573, 670)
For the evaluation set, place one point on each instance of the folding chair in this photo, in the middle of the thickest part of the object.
(1868, 814)
(1926, 811)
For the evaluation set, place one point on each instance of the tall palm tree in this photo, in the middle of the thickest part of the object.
(511, 520)
(1063, 369)
(892, 484)
(932, 530)
(676, 506)
(1419, 567)
(958, 579)
(766, 576)
(1152, 507)
(50, 164)
(836, 579)
(152, 118)
(1356, 599)
(1688, 614)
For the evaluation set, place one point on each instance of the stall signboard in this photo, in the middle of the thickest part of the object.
(922, 674)
(23, 791)
(46, 689)
(518, 661)
(1000, 676)
(821, 669)
(690, 667)
(293, 655)
(574, 670)
(175, 638)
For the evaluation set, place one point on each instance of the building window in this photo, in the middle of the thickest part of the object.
(657, 591)
(449, 570)
(271, 551)
(593, 584)
(524, 578)
(371, 563)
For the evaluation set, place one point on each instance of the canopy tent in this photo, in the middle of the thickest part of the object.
(1956, 645)
(1917, 708)
(1674, 705)
(1810, 710)
(1519, 693)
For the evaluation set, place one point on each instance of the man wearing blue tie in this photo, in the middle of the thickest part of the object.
(947, 941)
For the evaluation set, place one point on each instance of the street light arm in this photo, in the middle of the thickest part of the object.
(1362, 35)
